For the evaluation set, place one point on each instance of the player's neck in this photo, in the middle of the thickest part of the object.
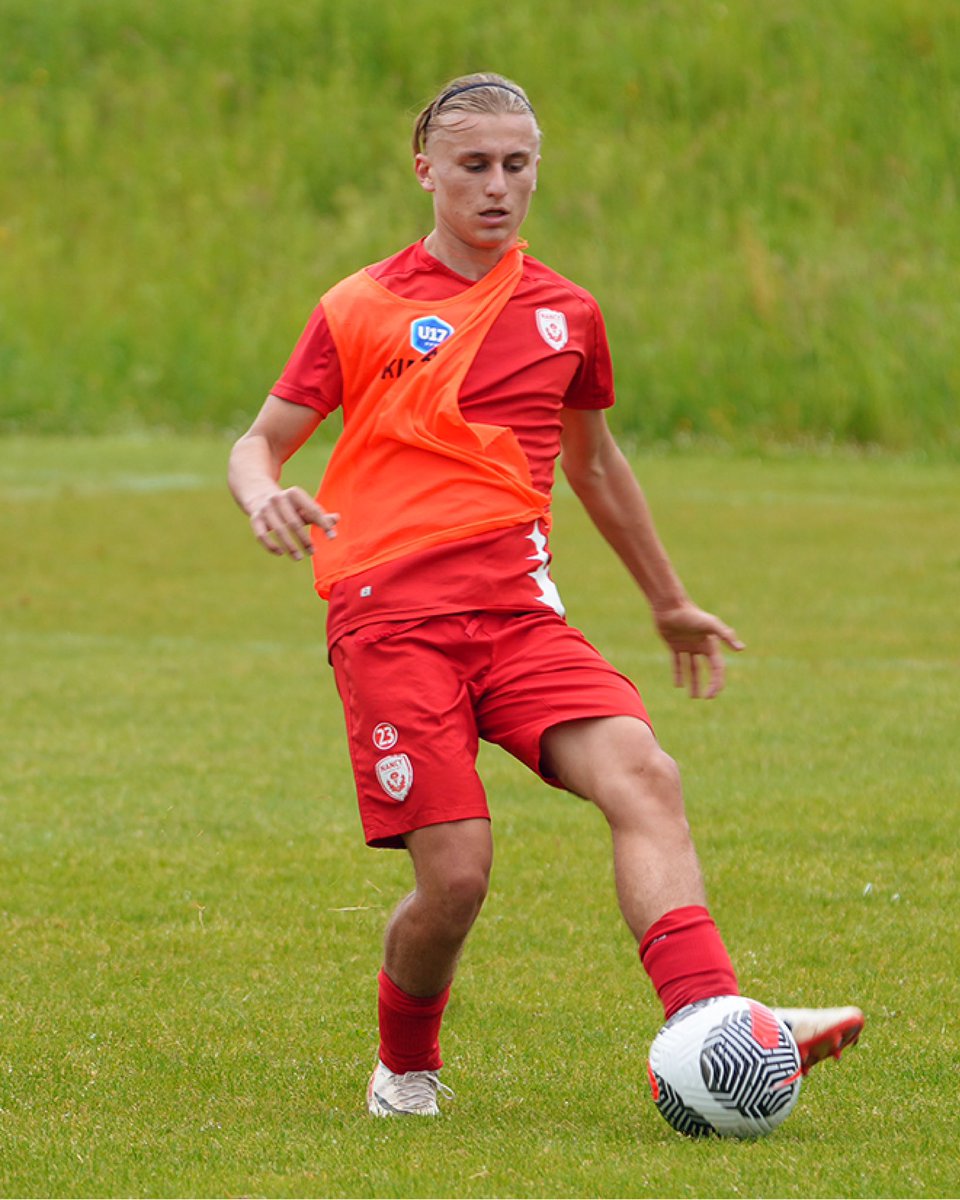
(468, 261)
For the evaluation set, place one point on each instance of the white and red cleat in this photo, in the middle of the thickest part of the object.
(821, 1032)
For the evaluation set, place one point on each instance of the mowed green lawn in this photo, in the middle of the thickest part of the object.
(191, 924)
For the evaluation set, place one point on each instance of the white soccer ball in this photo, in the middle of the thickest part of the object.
(725, 1066)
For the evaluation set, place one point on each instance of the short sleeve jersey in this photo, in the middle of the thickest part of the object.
(546, 350)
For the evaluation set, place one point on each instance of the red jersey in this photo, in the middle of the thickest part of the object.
(545, 350)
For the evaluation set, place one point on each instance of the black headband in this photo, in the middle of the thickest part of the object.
(471, 87)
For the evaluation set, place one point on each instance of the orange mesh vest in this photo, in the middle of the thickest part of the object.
(408, 471)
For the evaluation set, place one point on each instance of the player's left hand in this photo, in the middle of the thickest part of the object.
(693, 634)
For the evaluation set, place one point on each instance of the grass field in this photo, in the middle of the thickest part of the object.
(190, 925)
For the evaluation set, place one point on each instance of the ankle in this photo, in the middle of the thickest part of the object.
(686, 959)
(409, 1028)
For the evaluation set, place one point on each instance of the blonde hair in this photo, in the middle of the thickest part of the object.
(483, 92)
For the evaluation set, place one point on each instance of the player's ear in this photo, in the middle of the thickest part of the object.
(536, 171)
(424, 172)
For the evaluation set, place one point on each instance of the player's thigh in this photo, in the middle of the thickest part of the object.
(546, 675)
(614, 760)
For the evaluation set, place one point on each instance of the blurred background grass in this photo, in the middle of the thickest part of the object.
(763, 197)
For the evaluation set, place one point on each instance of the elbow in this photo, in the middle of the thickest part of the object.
(584, 476)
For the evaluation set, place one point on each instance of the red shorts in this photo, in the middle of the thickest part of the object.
(418, 696)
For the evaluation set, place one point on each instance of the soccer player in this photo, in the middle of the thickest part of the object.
(464, 368)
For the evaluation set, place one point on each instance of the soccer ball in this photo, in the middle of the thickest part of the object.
(725, 1066)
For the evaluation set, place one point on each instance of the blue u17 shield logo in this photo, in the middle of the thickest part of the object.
(427, 333)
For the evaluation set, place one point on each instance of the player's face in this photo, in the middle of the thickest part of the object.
(482, 171)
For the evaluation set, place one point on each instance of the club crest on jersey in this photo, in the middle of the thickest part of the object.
(395, 773)
(552, 326)
(427, 333)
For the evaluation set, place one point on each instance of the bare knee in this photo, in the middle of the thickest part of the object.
(656, 778)
(658, 774)
(452, 864)
(455, 897)
(642, 789)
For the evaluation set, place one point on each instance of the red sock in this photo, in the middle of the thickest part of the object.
(409, 1028)
(686, 959)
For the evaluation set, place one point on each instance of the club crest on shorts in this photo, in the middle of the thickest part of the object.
(427, 333)
(385, 736)
(395, 773)
(552, 326)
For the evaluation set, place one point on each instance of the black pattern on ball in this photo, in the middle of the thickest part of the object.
(742, 1076)
(683, 1118)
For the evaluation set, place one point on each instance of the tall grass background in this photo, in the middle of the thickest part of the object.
(764, 197)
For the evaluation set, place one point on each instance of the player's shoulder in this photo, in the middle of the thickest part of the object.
(406, 273)
(538, 274)
(400, 262)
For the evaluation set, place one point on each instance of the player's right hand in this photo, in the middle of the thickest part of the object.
(282, 523)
